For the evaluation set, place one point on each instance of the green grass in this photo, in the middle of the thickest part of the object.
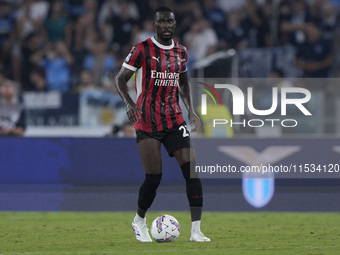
(110, 233)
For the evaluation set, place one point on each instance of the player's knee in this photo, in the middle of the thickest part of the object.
(153, 171)
(183, 156)
(187, 174)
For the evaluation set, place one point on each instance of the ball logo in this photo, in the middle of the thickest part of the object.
(159, 224)
(175, 225)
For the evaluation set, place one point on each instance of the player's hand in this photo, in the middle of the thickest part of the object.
(195, 120)
(133, 112)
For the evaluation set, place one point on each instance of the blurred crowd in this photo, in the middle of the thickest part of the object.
(77, 45)
(71, 45)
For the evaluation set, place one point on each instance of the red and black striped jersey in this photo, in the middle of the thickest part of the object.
(157, 68)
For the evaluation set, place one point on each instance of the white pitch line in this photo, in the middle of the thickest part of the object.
(173, 250)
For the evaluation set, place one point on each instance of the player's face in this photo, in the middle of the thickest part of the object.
(165, 24)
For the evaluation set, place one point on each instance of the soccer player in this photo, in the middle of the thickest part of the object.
(161, 76)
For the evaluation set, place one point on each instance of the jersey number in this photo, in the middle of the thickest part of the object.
(185, 131)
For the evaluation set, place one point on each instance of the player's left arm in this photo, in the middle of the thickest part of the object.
(185, 94)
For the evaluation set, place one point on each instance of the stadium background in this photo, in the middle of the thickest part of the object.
(77, 152)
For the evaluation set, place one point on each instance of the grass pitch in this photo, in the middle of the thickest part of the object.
(111, 233)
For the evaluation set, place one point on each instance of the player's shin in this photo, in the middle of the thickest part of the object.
(195, 197)
(147, 193)
(194, 192)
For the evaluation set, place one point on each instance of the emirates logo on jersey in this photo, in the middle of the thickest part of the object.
(165, 78)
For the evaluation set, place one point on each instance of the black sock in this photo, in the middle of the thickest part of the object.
(194, 192)
(147, 193)
(196, 213)
(141, 212)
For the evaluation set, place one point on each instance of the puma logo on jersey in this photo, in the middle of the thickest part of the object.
(156, 58)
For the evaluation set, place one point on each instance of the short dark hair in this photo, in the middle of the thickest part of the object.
(163, 8)
(39, 71)
(278, 71)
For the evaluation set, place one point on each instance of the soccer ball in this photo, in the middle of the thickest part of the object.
(165, 228)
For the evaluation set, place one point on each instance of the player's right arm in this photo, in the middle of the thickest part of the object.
(132, 109)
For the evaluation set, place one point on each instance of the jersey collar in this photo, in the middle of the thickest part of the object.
(165, 47)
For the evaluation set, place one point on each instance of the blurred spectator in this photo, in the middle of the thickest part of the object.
(201, 40)
(86, 26)
(235, 36)
(57, 24)
(276, 73)
(146, 8)
(315, 55)
(85, 81)
(228, 6)
(329, 21)
(38, 79)
(186, 13)
(125, 130)
(123, 25)
(57, 61)
(12, 115)
(9, 41)
(32, 44)
(6, 31)
(278, 80)
(255, 24)
(31, 16)
(2, 75)
(79, 23)
(336, 4)
(315, 10)
(189, 7)
(75, 8)
(100, 61)
(293, 20)
(114, 7)
(270, 21)
(216, 16)
(146, 32)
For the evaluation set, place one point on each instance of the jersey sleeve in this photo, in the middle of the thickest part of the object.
(184, 61)
(134, 60)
